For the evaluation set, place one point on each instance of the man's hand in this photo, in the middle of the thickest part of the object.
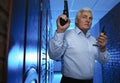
(60, 28)
(102, 41)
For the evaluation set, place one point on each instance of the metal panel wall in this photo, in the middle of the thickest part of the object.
(28, 60)
(111, 23)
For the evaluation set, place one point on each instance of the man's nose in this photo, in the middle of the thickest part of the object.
(88, 20)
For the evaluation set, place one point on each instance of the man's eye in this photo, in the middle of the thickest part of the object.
(90, 18)
(84, 16)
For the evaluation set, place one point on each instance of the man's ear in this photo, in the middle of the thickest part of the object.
(76, 21)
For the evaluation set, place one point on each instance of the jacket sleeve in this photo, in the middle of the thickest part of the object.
(57, 46)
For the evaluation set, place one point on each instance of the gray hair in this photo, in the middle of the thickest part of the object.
(82, 10)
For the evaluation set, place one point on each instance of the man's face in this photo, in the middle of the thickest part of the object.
(84, 21)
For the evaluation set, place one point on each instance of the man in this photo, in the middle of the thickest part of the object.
(76, 48)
